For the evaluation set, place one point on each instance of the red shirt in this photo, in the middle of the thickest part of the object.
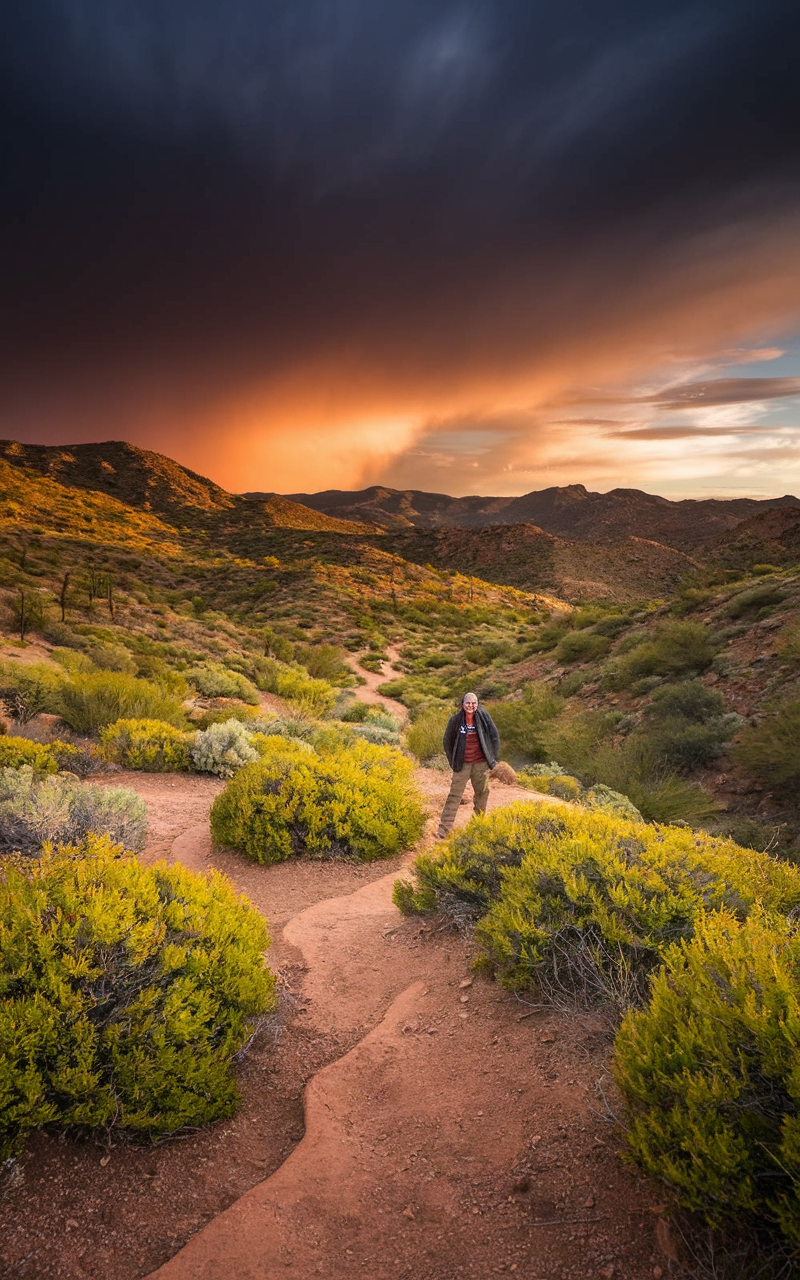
(472, 749)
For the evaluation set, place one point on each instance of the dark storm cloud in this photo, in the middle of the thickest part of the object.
(227, 187)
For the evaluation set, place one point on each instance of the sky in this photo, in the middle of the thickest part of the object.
(479, 247)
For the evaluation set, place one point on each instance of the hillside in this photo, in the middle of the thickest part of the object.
(569, 511)
(525, 556)
(150, 481)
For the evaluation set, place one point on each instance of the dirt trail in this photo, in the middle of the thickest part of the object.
(459, 1137)
(368, 692)
(400, 1118)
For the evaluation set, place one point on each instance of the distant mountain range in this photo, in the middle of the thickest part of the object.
(625, 544)
(569, 511)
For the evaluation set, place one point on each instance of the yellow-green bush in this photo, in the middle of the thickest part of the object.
(16, 752)
(88, 703)
(357, 802)
(316, 697)
(599, 896)
(561, 785)
(217, 681)
(149, 745)
(709, 1072)
(673, 649)
(424, 736)
(124, 992)
(28, 688)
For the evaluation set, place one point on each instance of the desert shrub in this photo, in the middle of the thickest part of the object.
(214, 680)
(357, 802)
(637, 767)
(605, 800)
(149, 745)
(376, 733)
(316, 697)
(690, 700)
(16, 752)
(582, 903)
(673, 649)
(687, 725)
(611, 626)
(424, 736)
(26, 689)
(37, 808)
(222, 749)
(322, 661)
(277, 646)
(355, 712)
(373, 662)
(112, 657)
(550, 783)
(771, 749)
(89, 703)
(73, 661)
(708, 1072)
(574, 739)
(789, 648)
(546, 638)
(231, 711)
(437, 660)
(582, 646)
(125, 992)
(520, 720)
(758, 598)
(480, 655)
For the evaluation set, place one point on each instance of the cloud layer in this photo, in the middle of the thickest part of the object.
(298, 246)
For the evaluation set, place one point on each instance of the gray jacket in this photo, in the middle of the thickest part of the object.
(455, 738)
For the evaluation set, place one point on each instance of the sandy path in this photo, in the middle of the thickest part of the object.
(456, 1123)
(400, 1119)
(368, 692)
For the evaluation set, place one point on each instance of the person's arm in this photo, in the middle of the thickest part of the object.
(494, 736)
(448, 741)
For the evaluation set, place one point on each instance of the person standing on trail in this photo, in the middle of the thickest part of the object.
(471, 743)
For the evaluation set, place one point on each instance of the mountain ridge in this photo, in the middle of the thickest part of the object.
(571, 511)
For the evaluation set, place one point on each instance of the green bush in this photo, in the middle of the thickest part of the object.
(520, 721)
(638, 768)
(89, 703)
(548, 783)
(26, 689)
(357, 802)
(16, 752)
(709, 1073)
(316, 697)
(37, 808)
(245, 715)
(424, 736)
(214, 680)
(322, 661)
(112, 657)
(582, 646)
(546, 638)
(673, 649)
(771, 749)
(689, 700)
(584, 903)
(149, 745)
(124, 993)
(758, 598)
(222, 749)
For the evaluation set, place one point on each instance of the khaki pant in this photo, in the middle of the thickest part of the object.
(478, 774)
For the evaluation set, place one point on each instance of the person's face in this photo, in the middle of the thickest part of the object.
(471, 704)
